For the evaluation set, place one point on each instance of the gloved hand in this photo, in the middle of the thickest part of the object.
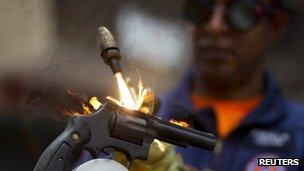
(162, 157)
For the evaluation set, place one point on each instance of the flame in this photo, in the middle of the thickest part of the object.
(87, 107)
(129, 97)
(114, 100)
(180, 123)
(125, 93)
(95, 103)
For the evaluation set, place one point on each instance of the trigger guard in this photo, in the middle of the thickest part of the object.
(110, 150)
(111, 153)
(92, 151)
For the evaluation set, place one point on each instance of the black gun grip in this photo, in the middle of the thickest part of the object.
(58, 155)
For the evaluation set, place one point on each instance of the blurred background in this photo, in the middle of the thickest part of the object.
(47, 47)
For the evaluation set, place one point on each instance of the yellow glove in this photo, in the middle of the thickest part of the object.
(162, 157)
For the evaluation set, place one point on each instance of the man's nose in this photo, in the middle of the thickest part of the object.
(217, 23)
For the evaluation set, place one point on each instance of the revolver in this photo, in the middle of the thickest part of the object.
(114, 128)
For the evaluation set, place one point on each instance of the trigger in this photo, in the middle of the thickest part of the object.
(109, 151)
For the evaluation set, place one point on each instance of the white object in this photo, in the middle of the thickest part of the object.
(101, 165)
(154, 41)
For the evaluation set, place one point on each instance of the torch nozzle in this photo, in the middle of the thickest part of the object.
(108, 49)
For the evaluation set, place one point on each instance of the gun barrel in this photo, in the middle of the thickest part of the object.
(168, 132)
(134, 129)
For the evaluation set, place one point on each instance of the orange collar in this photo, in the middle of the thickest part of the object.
(228, 113)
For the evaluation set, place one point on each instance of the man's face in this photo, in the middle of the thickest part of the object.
(223, 54)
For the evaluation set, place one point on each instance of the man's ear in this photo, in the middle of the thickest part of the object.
(280, 21)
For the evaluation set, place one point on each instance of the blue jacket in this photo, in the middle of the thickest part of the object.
(274, 129)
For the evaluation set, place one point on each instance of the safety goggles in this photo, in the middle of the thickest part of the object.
(241, 15)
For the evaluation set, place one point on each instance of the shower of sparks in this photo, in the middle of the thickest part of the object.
(180, 123)
(129, 98)
(125, 93)
(141, 100)
(95, 103)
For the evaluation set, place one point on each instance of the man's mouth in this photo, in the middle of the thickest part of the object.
(216, 51)
(216, 55)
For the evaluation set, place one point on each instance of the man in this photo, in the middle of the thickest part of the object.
(228, 91)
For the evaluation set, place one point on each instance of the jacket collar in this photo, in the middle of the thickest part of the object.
(271, 109)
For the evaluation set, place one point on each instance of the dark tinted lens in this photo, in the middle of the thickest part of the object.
(242, 15)
(197, 11)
